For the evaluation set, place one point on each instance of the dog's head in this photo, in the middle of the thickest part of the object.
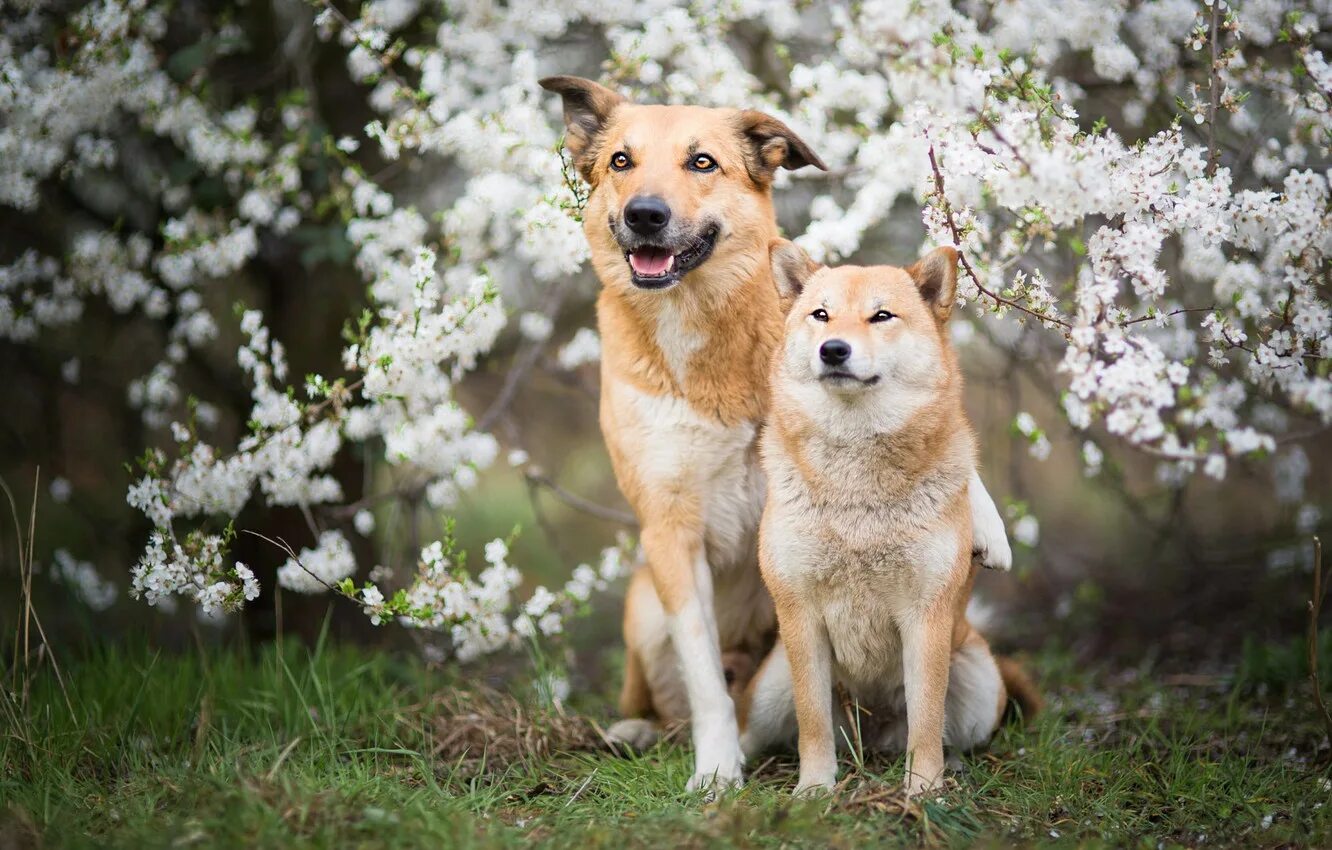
(857, 330)
(673, 187)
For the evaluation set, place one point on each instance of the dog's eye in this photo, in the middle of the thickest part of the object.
(820, 315)
(703, 162)
(621, 161)
(882, 316)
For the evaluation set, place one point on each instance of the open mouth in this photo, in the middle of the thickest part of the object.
(837, 376)
(656, 267)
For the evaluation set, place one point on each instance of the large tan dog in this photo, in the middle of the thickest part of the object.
(866, 537)
(679, 221)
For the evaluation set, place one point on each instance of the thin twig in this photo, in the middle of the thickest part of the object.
(547, 527)
(295, 559)
(966, 264)
(1178, 312)
(286, 751)
(1213, 91)
(524, 361)
(30, 617)
(577, 502)
(342, 513)
(1315, 609)
(581, 789)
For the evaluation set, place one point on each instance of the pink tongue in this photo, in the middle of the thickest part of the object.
(651, 262)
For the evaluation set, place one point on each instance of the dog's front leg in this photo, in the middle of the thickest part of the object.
(684, 584)
(926, 647)
(810, 654)
(989, 538)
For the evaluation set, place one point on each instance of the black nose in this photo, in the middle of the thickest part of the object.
(646, 215)
(834, 352)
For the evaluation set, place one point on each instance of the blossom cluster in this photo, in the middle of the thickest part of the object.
(479, 612)
(196, 568)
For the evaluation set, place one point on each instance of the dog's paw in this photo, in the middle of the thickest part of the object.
(715, 782)
(815, 785)
(633, 734)
(989, 537)
(924, 780)
(989, 542)
(716, 775)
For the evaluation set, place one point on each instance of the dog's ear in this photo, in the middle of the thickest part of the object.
(773, 145)
(935, 275)
(791, 270)
(587, 108)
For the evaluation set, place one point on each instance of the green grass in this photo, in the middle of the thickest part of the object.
(339, 747)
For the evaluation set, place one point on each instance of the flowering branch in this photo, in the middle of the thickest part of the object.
(942, 199)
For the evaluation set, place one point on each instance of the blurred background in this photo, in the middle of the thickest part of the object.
(1125, 564)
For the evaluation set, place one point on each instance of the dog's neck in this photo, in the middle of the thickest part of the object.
(708, 340)
(846, 444)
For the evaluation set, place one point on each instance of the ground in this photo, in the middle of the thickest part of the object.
(338, 746)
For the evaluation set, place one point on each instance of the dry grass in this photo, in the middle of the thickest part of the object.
(490, 728)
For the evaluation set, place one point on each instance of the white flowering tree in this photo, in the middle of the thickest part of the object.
(1139, 191)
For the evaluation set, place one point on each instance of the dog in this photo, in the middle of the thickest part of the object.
(679, 220)
(866, 538)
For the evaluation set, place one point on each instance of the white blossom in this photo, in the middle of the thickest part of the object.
(60, 490)
(329, 562)
(87, 583)
(364, 521)
(585, 347)
(1027, 530)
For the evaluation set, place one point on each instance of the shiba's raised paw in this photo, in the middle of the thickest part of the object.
(633, 734)
(989, 538)
(994, 557)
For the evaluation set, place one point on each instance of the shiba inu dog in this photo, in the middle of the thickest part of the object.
(679, 220)
(866, 537)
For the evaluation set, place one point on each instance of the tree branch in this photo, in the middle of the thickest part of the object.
(538, 478)
(966, 264)
(1315, 609)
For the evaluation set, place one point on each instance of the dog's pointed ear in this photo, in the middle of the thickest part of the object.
(791, 269)
(773, 145)
(935, 275)
(587, 108)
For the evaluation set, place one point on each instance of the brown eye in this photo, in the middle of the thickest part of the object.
(882, 316)
(703, 162)
(620, 161)
(820, 315)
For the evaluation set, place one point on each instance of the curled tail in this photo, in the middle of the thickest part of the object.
(1022, 691)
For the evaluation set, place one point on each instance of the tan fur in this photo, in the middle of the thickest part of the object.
(684, 393)
(1022, 691)
(866, 536)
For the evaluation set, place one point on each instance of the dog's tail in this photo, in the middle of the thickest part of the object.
(1022, 691)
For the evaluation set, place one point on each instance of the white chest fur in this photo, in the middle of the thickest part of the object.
(677, 341)
(715, 465)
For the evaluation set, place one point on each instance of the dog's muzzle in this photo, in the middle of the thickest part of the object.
(660, 256)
